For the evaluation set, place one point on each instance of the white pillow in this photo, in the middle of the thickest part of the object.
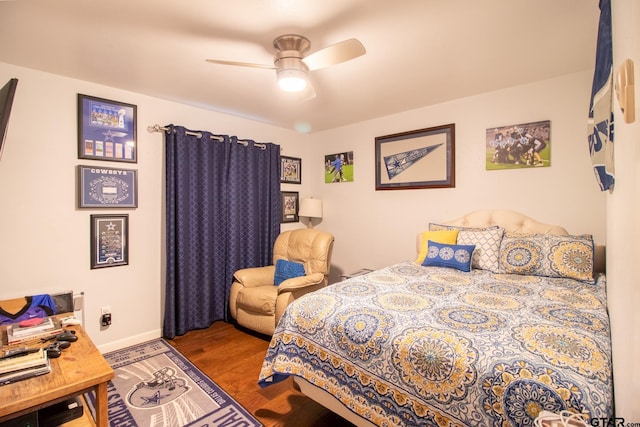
(487, 243)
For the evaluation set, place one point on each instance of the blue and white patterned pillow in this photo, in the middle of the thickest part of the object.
(287, 270)
(486, 240)
(548, 255)
(451, 256)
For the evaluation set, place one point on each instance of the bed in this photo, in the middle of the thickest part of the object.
(427, 343)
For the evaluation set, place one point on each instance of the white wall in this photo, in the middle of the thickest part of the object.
(623, 225)
(375, 228)
(45, 238)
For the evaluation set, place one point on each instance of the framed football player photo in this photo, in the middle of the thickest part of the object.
(290, 170)
(290, 206)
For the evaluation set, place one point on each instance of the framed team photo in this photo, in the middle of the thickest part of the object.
(520, 146)
(106, 130)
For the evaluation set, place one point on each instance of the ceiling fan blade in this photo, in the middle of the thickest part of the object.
(241, 64)
(308, 93)
(334, 54)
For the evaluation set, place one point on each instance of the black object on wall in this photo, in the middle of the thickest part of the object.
(7, 93)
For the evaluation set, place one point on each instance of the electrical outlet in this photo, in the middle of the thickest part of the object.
(105, 320)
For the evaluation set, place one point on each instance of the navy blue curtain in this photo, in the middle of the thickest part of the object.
(223, 213)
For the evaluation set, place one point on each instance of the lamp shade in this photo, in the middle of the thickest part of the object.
(311, 208)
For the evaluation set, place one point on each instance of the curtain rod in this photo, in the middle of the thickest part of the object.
(158, 128)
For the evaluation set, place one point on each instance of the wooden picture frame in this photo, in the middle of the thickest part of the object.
(423, 158)
(101, 187)
(290, 206)
(109, 240)
(106, 130)
(290, 170)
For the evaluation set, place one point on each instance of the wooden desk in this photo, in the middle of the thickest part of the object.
(79, 369)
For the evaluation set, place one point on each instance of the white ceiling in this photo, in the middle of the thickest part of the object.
(419, 52)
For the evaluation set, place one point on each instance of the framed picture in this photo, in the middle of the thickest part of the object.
(109, 240)
(290, 206)
(290, 170)
(106, 130)
(520, 146)
(338, 167)
(423, 158)
(101, 187)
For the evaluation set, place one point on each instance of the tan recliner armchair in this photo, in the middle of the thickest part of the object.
(256, 303)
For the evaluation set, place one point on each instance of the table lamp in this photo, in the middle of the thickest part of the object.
(310, 208)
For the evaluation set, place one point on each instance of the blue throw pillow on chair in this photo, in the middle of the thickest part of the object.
(451, 256)
(287, 270)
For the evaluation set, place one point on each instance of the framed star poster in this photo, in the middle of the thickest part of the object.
(101, 187)
(423, 158)
(106, 130)
(109, 240)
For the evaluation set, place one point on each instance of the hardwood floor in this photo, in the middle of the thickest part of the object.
(232, 357)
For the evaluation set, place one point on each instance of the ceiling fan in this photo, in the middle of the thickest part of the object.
(293, 63)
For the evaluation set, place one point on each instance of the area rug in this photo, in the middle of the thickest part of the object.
(154, 385)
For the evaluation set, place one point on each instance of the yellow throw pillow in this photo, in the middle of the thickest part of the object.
(447, 237)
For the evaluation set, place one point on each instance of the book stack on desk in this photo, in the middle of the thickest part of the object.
(28, 364)
(20, 334)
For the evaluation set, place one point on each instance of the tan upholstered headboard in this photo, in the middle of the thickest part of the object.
(516, 222)
(509, 220)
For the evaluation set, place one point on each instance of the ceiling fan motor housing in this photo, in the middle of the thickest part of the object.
(290, 49)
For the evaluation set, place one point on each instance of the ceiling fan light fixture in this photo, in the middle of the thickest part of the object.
(291, 71)
(292, 80)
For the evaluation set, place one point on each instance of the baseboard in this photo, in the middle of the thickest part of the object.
(129, 341)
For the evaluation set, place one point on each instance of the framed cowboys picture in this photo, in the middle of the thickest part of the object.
(423, 158)
(109, 240)
(101, 187)
(107, 130)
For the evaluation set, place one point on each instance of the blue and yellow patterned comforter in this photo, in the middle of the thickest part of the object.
(411, 345)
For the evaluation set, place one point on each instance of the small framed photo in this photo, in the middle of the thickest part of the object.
(423, 158)
(290, 170)
(109, 240)
(338, 167)
(106, 130)
(290, 206)
(101, 187)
